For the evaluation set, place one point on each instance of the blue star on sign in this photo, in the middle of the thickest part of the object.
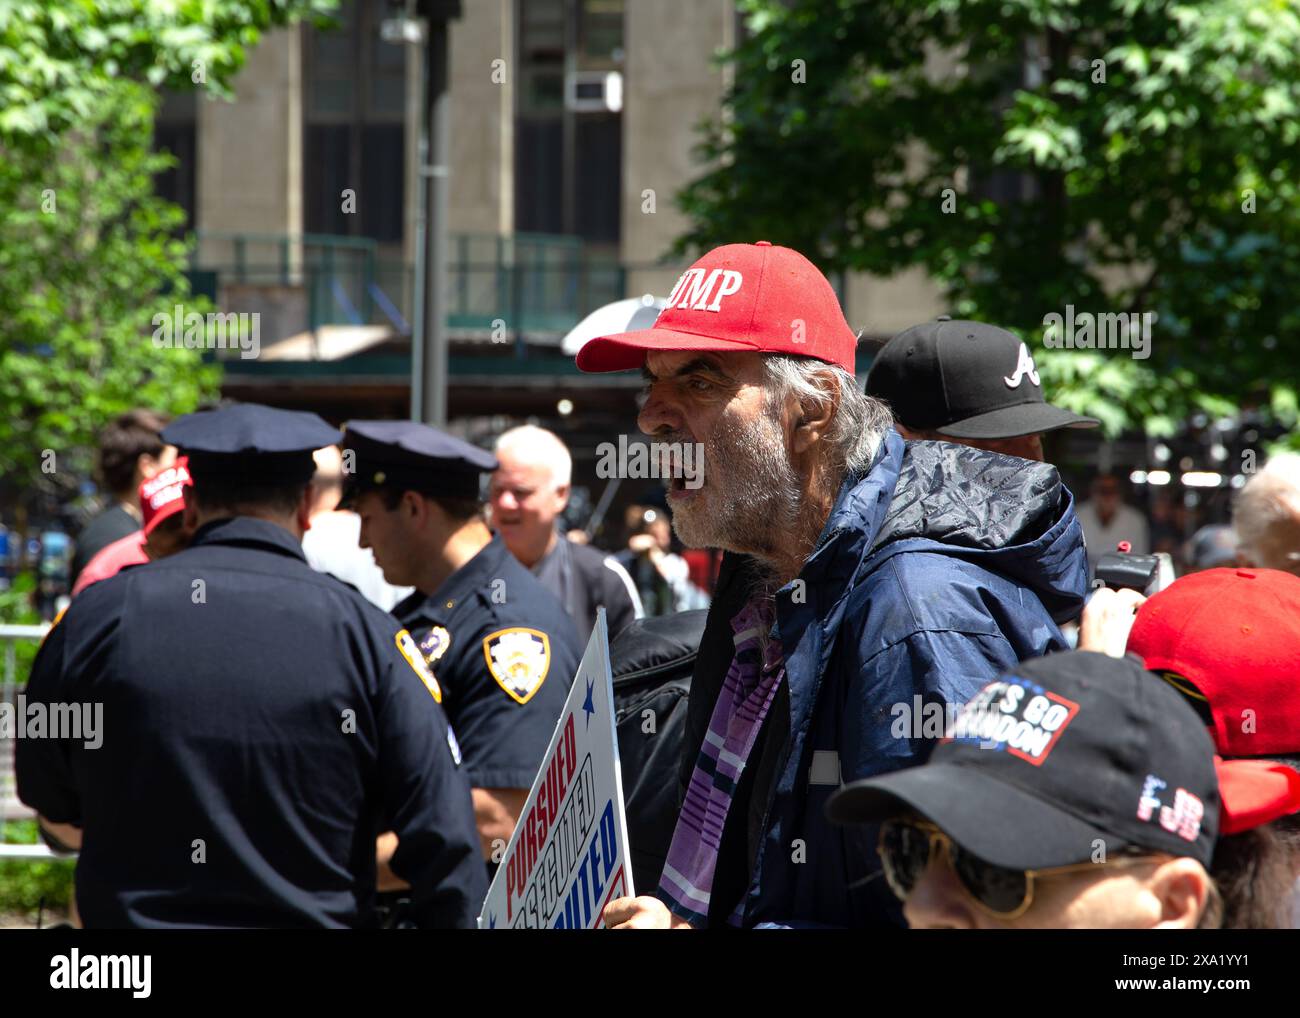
(492, 921)
(587, 705)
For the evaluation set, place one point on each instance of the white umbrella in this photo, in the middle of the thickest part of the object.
(621, 316)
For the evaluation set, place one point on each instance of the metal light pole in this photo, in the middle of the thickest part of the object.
(429, 327)
(437, 15)
(403, 28)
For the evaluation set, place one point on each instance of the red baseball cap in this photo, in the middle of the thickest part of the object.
(739, 297)
(1235, 635)
(163, 494)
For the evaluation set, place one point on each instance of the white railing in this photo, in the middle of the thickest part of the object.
(10, 807)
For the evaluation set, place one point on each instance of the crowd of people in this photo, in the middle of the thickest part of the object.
(905, 671)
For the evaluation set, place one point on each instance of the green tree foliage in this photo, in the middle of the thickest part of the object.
(1117, 155)
(88, 252)
(27, 887)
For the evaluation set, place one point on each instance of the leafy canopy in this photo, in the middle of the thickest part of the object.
(1117, 155)
(88, 252)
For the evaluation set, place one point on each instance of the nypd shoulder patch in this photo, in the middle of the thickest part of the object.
(518, 660)
(406, 644)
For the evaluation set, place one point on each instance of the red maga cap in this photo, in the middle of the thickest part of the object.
(1235, 635)
(163, 494)
(739, 297)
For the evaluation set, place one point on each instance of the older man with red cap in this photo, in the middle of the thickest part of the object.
(869, 582)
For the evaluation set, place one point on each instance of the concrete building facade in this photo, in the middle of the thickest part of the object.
(320, 114)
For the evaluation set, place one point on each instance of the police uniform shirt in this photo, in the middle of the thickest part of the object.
(504, 652)
(261, 725)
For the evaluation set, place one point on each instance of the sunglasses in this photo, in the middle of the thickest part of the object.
(907, 848)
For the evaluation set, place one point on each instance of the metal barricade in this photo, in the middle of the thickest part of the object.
(10, 807)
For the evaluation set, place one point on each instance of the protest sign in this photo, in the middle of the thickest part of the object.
(568, 857)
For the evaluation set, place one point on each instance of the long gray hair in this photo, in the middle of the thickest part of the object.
(860, 422)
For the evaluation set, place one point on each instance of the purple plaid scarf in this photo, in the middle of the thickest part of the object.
(743, 703)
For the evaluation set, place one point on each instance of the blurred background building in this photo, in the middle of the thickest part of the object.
(573, 125)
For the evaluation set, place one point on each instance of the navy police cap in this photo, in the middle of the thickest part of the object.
(250, 441)
(409, 456)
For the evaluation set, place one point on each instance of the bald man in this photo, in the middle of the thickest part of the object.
(528, 492)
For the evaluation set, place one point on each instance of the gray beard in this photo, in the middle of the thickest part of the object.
(751, 493)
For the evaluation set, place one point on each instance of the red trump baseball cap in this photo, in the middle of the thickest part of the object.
(737, 298)
(1229, 639)
(163, 495)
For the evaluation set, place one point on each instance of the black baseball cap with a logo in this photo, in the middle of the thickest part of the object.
(965, 380)
(1065, 751)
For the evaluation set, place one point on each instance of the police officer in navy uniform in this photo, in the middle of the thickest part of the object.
(262, 723)
(501, 645)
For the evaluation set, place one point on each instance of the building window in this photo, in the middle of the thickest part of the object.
(568, 162)
(175, 131)
(355, 126)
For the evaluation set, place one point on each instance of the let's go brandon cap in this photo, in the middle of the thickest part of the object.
(739, 297)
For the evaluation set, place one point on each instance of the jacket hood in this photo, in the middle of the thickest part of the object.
(1003, 513)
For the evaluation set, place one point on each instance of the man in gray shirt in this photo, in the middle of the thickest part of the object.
(528, 492)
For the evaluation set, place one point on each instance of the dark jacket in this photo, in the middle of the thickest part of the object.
(584, 579)
(938, 569)
(262, 724)
(113, 524)
(651, 662)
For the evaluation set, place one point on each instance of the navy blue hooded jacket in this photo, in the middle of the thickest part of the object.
(938, 569)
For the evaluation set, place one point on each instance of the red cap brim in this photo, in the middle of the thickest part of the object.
(1255, 792)
(624, 351)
